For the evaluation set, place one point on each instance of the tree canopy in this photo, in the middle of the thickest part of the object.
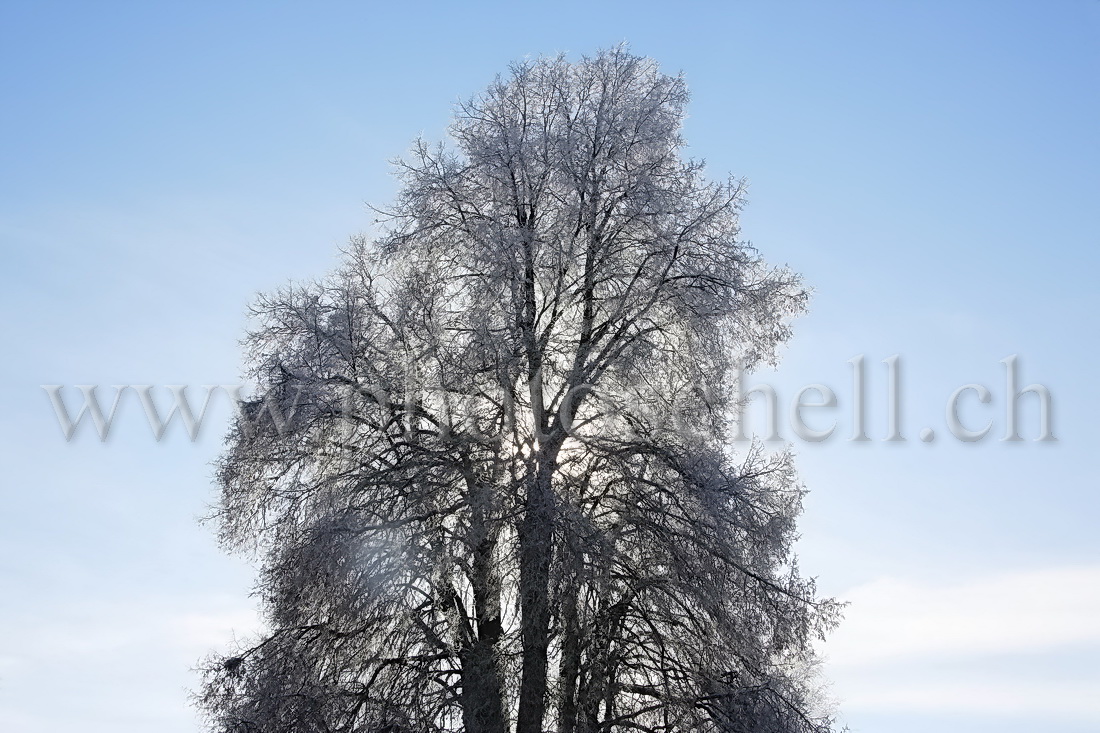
(501, 494)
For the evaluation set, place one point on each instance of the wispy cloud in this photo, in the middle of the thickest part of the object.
(890, 620)
(93, 656)
(1074, 700)
(988, 646)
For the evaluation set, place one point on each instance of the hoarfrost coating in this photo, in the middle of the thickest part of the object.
(602, 563)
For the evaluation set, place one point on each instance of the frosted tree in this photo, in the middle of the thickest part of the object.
(500, 494)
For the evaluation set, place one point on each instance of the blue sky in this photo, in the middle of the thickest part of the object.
(931, 169)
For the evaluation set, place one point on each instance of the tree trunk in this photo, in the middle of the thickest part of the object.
(570, 654)
(482, 692)
(482, 703)
(536, 545)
